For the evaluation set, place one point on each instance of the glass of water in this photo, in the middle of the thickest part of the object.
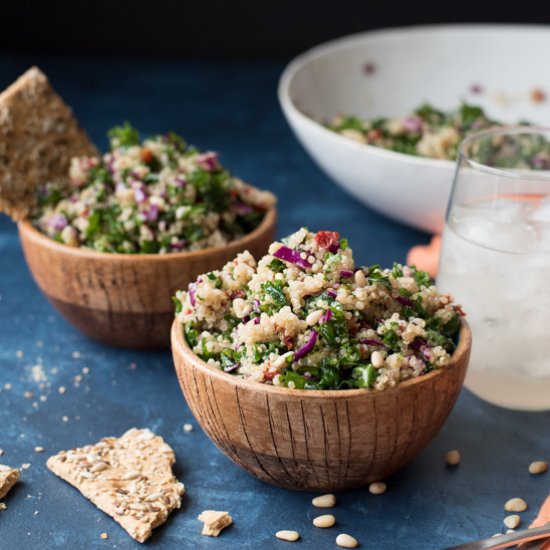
(495, 260)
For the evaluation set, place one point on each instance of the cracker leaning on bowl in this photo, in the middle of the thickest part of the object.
(129, 478)
(38, 137)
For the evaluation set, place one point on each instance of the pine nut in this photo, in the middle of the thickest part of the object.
(453, 458)
(324, 501)
(290, 536)
(360, 279)
(325, 521)
(538, 467)
(512, 521)
(377, 488)
(314, 316)
(346, 541)
(515, 505)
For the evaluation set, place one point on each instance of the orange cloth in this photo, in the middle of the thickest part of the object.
(426, 257)
(542, 518)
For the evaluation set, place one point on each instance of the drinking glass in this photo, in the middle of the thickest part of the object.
(495, 260)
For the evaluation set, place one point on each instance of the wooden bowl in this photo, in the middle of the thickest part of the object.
(126, 299)
(316, 440)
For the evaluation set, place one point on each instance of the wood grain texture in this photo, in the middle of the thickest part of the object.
(314, 440)
(124, 299)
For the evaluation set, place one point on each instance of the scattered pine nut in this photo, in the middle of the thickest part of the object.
(188, 427)
(290, 536)
(346, 541)
(325, 521)
(39, 449)
(324, 501)
(538, 467)
(508, 531)
(377, 488)
(25, 466)
(515, 505)
(453, 458)
(512, 521)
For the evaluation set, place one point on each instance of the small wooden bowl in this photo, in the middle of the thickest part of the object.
(126, 299)
(315, 440)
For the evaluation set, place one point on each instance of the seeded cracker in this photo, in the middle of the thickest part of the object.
(38, 137)
(214, 522)
(130, 478)
(8, 478)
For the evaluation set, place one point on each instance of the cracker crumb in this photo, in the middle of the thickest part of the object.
(2, 506)
(25, 466)
(65, 418)
(188, 427)
(19, 354)
(104, 536)
(1, 452)
(38, 374)
(38, 449)
(75, 354)
(214, 522)
(85, 370)
(27, 394)
(7, 386)
(43, 398)
(62, 389)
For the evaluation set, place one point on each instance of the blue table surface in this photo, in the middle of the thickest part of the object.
(230, 107)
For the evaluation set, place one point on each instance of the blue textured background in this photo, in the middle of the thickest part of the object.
(230, 107)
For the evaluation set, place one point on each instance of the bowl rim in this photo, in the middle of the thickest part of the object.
(293, 67)
(27, 229)
(180, 346)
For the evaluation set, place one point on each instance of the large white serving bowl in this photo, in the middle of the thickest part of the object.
(391, 72)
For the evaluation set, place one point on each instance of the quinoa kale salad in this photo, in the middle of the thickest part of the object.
(158, 195)
(426, 132)
(306, 317)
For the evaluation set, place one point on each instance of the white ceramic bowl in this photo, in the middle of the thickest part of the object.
(391, 72)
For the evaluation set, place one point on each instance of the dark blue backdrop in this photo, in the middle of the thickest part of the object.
(230, 107)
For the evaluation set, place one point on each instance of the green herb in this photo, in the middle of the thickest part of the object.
(123, 136)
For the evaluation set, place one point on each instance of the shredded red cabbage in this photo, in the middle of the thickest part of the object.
(57, 222)
(404, 301)
(307, 347)
(192, 290)
(331, 293)
(291, 256)
(418, 343)
(179, 245)
(326, 317)
(346, 273)
(371, 342)
(242, 208)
